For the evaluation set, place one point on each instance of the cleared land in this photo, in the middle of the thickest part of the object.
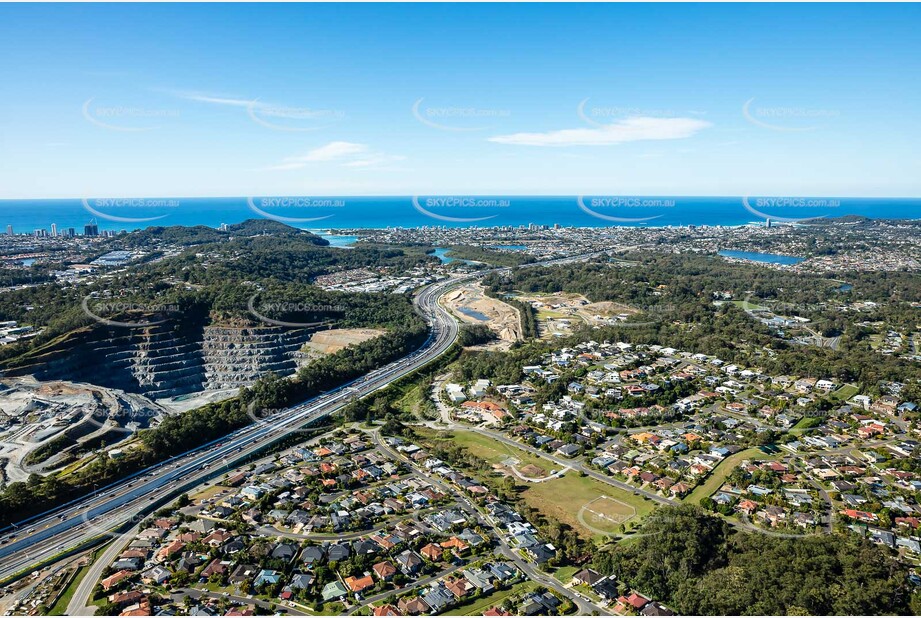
(331, 341)
(724, 469)
(558, 313)
(500, 454)
(471, 305)
(606, 512)
(565, 497)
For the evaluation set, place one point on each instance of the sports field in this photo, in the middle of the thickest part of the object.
(591, 507)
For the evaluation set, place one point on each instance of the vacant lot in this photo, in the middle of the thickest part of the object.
(471, 305)
(845, 392)
(497, 453)
(718, 475)
(605, 506)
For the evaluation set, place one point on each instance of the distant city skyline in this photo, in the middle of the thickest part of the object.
(368, 100)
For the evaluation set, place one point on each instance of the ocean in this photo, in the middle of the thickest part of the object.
(334, 213)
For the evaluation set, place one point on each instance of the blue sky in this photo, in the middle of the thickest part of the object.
(208, 100)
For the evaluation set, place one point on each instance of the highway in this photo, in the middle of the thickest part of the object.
(129, 499)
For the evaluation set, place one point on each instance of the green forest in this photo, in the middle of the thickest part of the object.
(675, 295)
(696, 564)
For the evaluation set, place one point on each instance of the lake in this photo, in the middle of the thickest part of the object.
(766, 258)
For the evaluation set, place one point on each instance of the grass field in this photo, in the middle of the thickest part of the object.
(495, 452)
(564, 574)
(563, 498)
(748, 305)
(724, 469)
(845, 392)
(478, 606)
(807, 422)
(208, 493)
(605, 513)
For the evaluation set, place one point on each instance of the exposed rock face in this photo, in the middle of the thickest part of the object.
(237, 356)
(159, 361)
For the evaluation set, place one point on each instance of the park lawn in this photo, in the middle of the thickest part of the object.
(564, 574)
(723, 470)
(748, 305)
(476, 607)
(845, 392)
(807, 422)
(563, 498)
(493, 451)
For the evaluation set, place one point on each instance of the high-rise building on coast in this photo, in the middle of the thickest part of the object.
(9, 230)
(91, 229)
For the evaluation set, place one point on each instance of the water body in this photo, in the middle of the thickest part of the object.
(382, 212)
(511, 247)
(473, 313)
(442, 254)
(340, 240)
(767, 258)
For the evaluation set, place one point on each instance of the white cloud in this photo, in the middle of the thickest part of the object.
(215, 99)
(257, 105)
(627, 130)
(336, 150)
(376, 160)
(346, 154)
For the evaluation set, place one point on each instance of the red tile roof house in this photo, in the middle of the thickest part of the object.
(165, 553)
(358, 584)
(387, 610)
(432, 552)
(215, 568)
(459, 587)
(870, 430)
(748, 506)
(859, 515)
(115, 579)
(634, 602)
(127, 598)
(455, 544)
(384, 570)
(217, 538)
(412, 607)
(384, 542)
